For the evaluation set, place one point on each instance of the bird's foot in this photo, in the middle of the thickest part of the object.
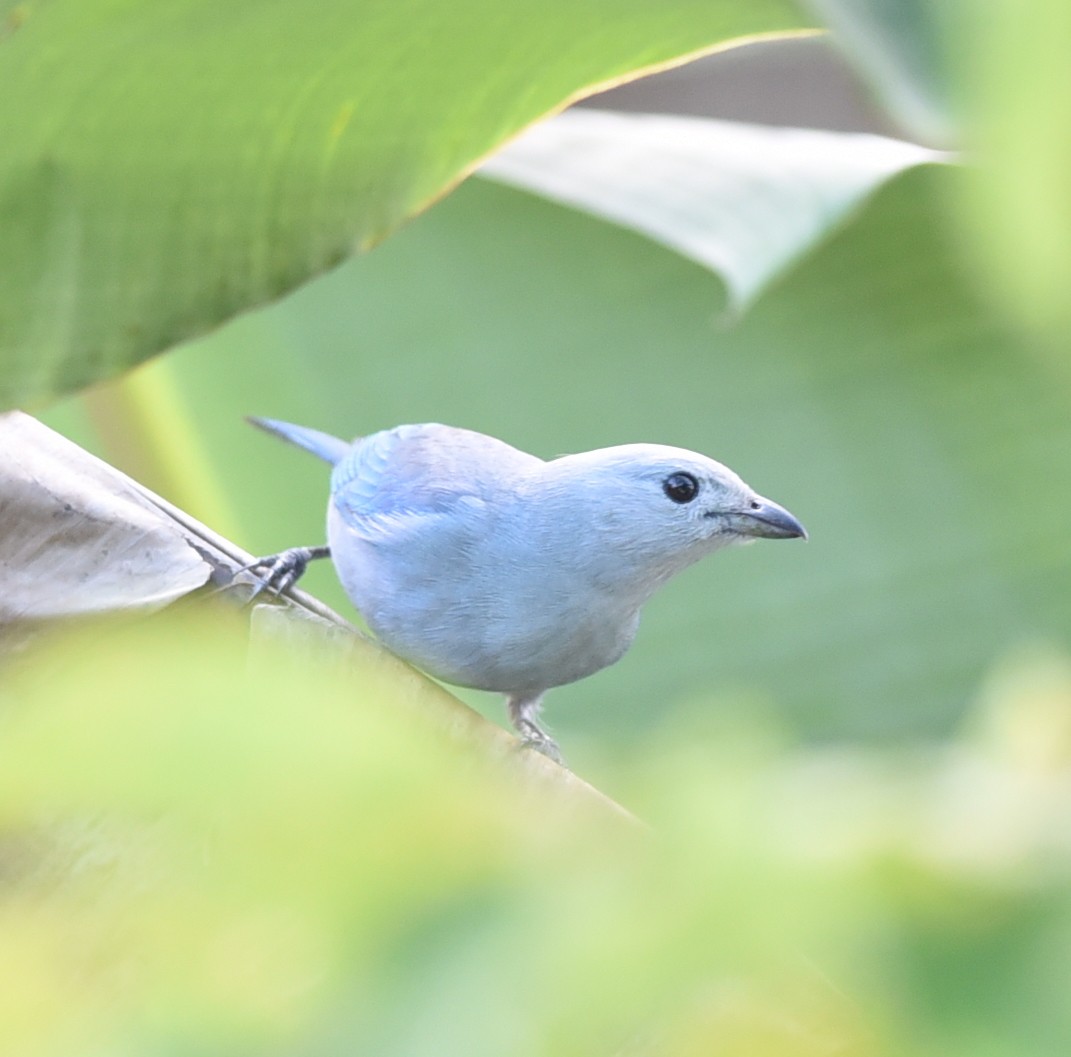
(279, 572)
(523, 710)
(534, 737)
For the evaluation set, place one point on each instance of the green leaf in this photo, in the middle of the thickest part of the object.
(168, 165)
(744, 200)
(1016, 85)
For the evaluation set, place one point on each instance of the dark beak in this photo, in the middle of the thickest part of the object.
(766, 520)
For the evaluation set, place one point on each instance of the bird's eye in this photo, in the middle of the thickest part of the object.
(681, 487)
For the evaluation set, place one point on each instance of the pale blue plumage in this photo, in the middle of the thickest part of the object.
(322, 445)
(491, 568)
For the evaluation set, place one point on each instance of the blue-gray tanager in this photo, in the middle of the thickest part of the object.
(491, 568)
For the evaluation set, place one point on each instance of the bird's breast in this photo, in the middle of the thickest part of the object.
(493, 618)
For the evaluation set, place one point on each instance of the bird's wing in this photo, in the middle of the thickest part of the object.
(413, 473)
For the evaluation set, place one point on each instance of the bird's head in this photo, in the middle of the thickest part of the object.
(667, 507)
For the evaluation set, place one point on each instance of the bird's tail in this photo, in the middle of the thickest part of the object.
(322, 445)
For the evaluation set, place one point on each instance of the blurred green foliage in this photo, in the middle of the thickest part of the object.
(276, 857)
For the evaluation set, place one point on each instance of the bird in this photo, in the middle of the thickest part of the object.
(491, 568)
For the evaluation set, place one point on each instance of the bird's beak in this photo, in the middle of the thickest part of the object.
(764, 519)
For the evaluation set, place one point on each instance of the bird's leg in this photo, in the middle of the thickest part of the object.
(279, 572)
(523, 710)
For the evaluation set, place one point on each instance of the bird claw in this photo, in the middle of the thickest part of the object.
(541, 742)
(279, 572)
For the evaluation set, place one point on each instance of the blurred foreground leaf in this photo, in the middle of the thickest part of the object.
(168, 165)
(223, 857)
